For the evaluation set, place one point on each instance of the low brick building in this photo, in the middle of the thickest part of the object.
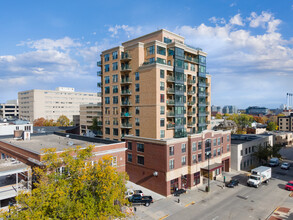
(30, 151)
(167, 164)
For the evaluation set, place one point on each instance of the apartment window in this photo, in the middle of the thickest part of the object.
(183, 160)
(167, 40)
(162, 98)
(115, 99)
(107, 57)
(137, 132)
(115, 89)
(107, 89)
(115, 121)
(129, 157)
(215, 142)
(151, 50)
(107, 100)
(115, 111)
(151, 60)
(160, 60)
(137, 87)
(219, 141)
(219, 151)
(162, 110)
(171, 164)
(228, 138)
(162, 86)
(245, 151)
(162, 122)
(115, 66)
(107, 68)
(136, 75)
(137, 121)
(115, 78)
(185, 66)
(137, 110)
(228, 147)
(129, 145)
(194, 158)
(115, 131)
(194, 146)
(161, 50)
(140, 147)
(137, 99)
(107, 130)
(140, 160)
(183, 148)
(215, 152)
(107, 110)
(171, 150)
(192, 67)
(162, 74)
(107, 79)
(162, 133)
(199, 157)
(199, 145)
(114, 55)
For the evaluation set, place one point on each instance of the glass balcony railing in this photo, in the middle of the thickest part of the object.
(126, 125)
(100, 85)
(190, 81)
(178, 134)
(191, 59)
(170, 114)
(126, 68)
(126, 114)
(126, 81)
(191, 92)
(202, 84)
(125, 92)
(191, 113)
(191, 103)
(190, 124)
(170, 79)
(200, 74)
(99, 73)
(156, 61)
(125, 103)
(99, 63)
(170, 102)
(202, 94)
(170, 91)
(170, 125)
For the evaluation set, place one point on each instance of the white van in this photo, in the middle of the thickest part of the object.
(274, 162)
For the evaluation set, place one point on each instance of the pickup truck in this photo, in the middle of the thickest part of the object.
(138, 199)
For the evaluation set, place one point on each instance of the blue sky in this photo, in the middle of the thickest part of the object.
(46, 44)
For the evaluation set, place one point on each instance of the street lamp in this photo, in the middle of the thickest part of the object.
(208, 154)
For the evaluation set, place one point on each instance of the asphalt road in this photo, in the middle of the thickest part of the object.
(244, 202)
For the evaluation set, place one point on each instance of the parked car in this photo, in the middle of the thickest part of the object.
(289, 186)
(232, 183)
(138, 199)
(179, 192)
(274, 162)
(285, 166)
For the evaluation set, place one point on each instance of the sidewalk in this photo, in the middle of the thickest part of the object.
(165, 207)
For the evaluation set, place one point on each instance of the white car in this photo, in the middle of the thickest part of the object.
(285, 166)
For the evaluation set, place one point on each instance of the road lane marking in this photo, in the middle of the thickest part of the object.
(164, 217)
(192, 203)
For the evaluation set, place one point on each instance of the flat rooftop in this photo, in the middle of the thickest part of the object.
(240, 138)
(37, 143)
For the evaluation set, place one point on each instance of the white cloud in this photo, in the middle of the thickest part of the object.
(233, 4)
(236, 20)
(215, 20)
(130, 31)
(266, 20)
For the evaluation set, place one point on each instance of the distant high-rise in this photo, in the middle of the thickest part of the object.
(255, 110)
(154, 86)
(229, 109)
(51, 104)
(9, 110)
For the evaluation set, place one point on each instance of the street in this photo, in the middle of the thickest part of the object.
(241, 202)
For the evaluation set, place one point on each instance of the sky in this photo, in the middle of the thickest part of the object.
(47, 44)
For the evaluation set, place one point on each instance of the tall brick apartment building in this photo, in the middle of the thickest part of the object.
(167, 164)
(154, 86)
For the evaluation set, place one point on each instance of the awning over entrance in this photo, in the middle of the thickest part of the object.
(213, 167)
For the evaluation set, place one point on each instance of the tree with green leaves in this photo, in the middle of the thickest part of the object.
(264, 153)
(272, 126)
(84, 190)
(63, 121)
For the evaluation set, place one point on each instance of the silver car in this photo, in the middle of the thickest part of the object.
(285, 166)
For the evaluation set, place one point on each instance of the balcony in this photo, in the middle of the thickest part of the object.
(126, 125)
(190, 82)
(170, 91)
(171, 114)
(100, 85)
(126, 103)
(200, 74)
(170, 79)
(191, 59)
(99, 63)
(179, 134)
(126, 81)
(125, 57)
(202, 84)
(125, 92)
(190, 124)
(191, 92)
(170, 125)
(203, 94)
(191, 113)
(126, 68)
(201, 124)
(126, 115)
(99, 73)
(202, 104)
(190, 103)
(170, 102)
(156, 61)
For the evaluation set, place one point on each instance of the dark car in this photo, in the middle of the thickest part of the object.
(179, 192)
(232, 183)
(138, 199)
